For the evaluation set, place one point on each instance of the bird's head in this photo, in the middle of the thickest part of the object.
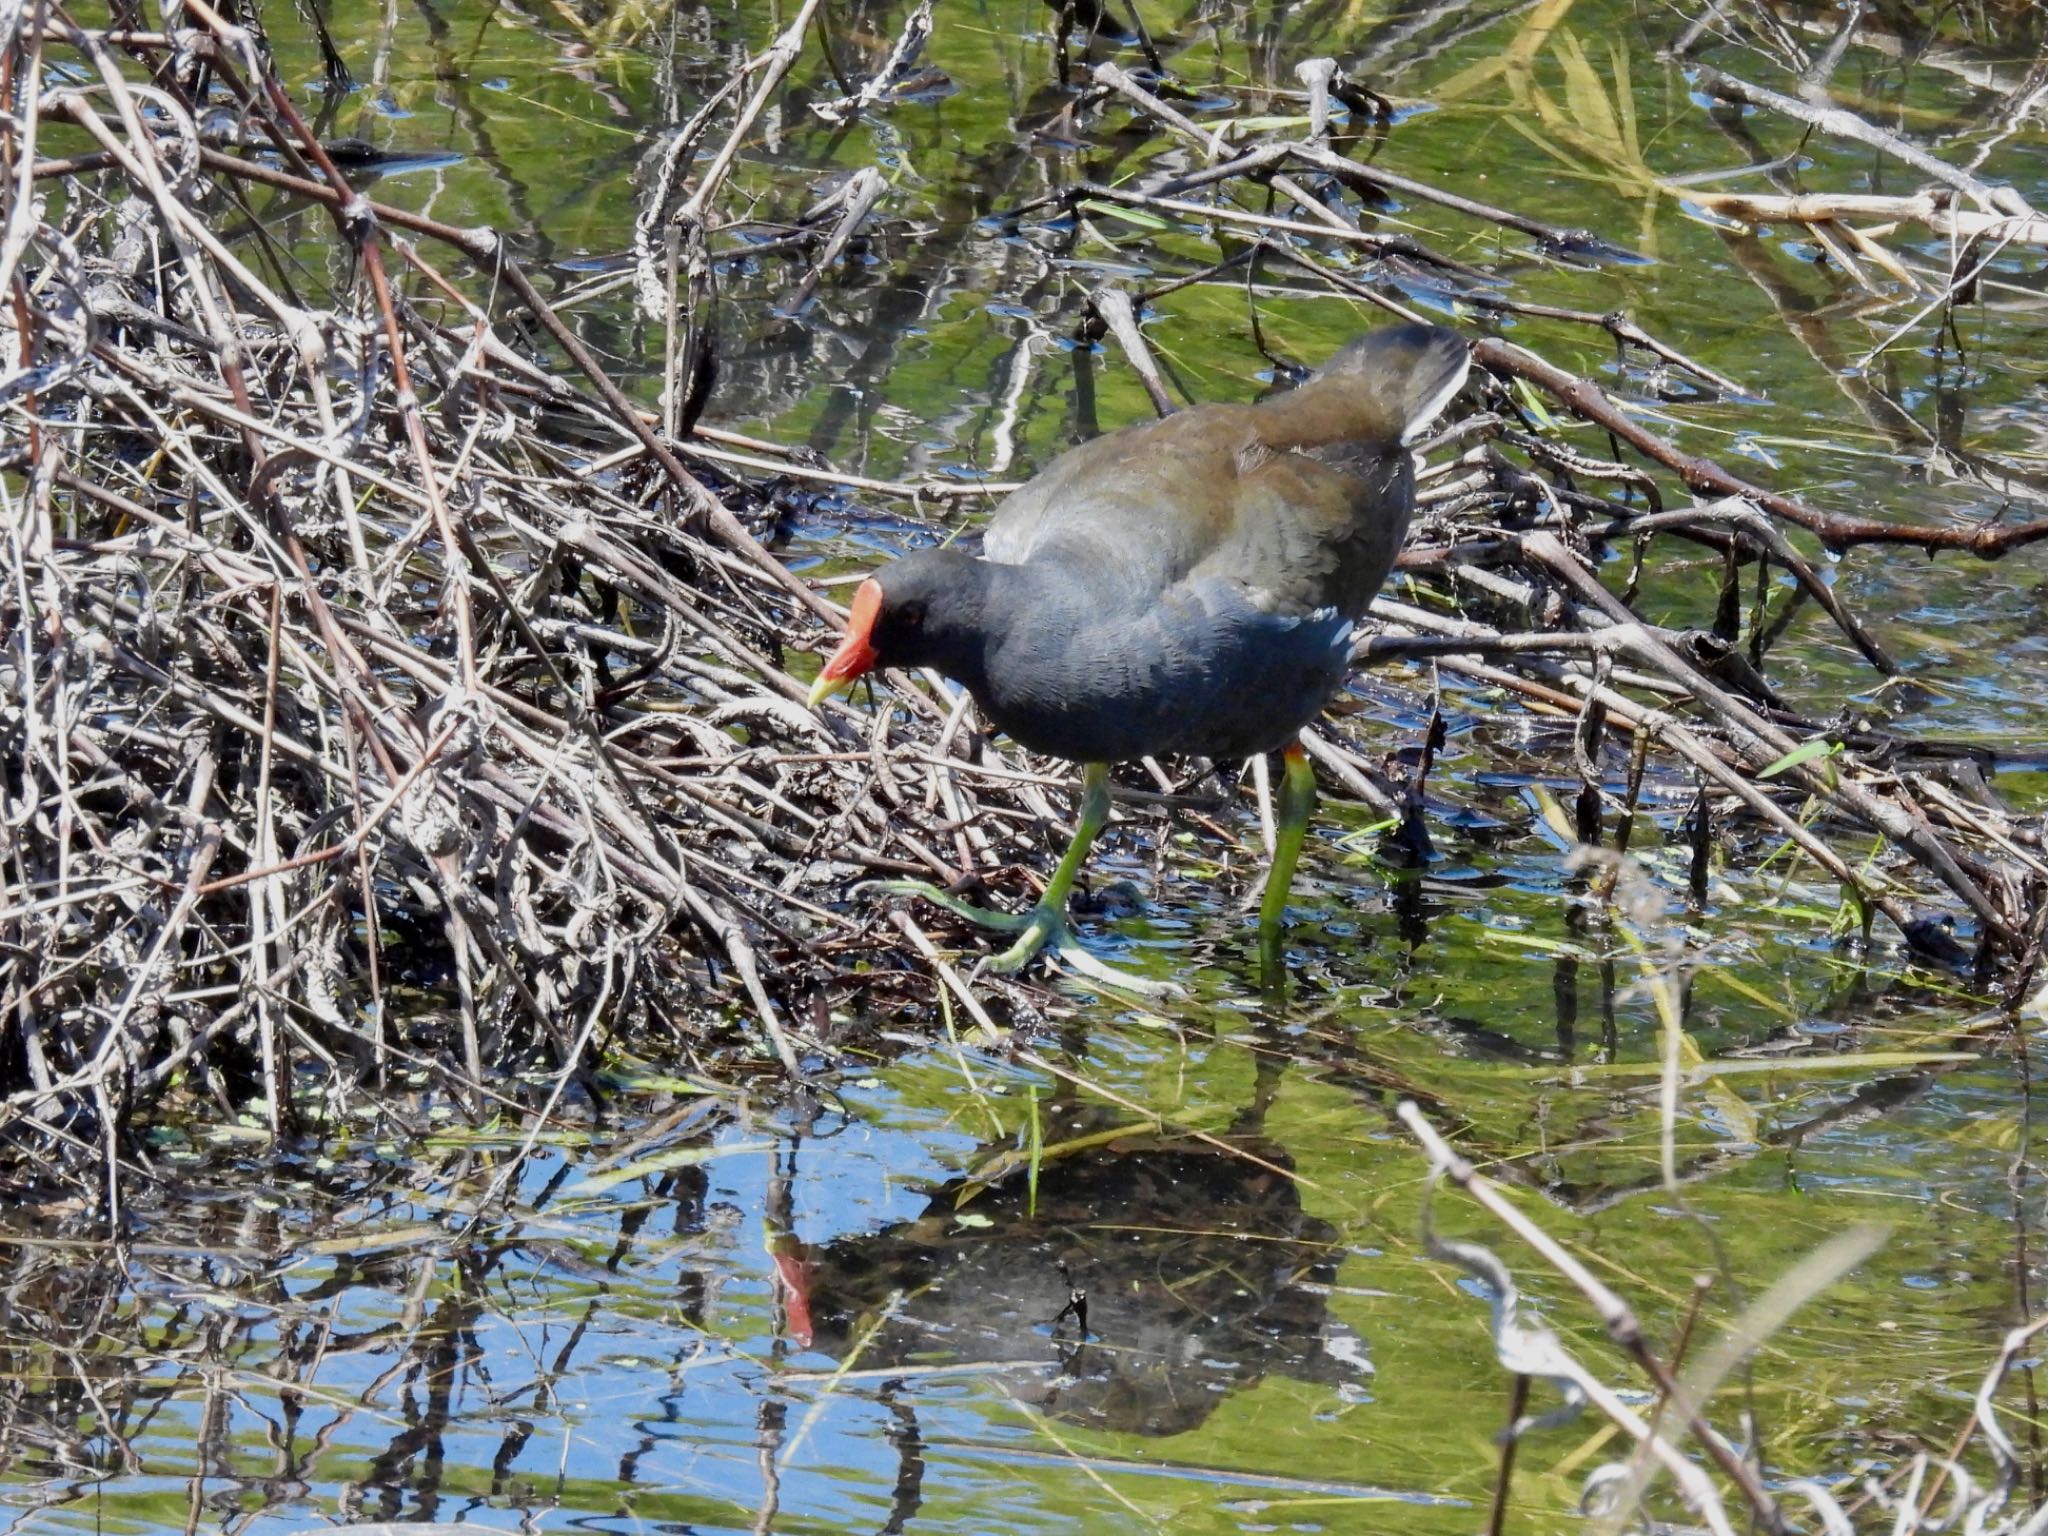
(924, 610)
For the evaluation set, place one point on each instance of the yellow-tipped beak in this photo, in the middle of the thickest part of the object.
(825, 687)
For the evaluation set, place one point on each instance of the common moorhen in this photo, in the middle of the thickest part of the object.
(1184, 586)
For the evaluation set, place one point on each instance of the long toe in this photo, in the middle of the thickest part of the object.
(1086, 966)
(966, 911)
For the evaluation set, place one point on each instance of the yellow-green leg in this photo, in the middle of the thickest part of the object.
(1045, 925)
(1297, 799)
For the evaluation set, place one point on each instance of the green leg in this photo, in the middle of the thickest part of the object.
(1045, 925)
(1297, 799)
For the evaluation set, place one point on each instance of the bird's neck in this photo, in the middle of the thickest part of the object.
(963, 622)
(1034, 610)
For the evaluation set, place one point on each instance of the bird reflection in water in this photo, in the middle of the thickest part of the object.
(1159, 1273)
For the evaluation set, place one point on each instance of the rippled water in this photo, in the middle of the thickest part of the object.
(861, 1311)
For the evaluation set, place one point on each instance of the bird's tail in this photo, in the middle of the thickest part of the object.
(1381, 389)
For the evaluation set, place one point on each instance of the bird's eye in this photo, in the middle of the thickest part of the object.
(911, 615)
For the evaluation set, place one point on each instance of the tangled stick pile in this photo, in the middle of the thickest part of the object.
(359, 719)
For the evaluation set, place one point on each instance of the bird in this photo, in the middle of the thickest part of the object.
(1184, 586)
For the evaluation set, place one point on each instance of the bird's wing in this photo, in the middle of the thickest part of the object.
(1152, 499)
(1302, 500)
(1310, 536)
(1323, 497)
